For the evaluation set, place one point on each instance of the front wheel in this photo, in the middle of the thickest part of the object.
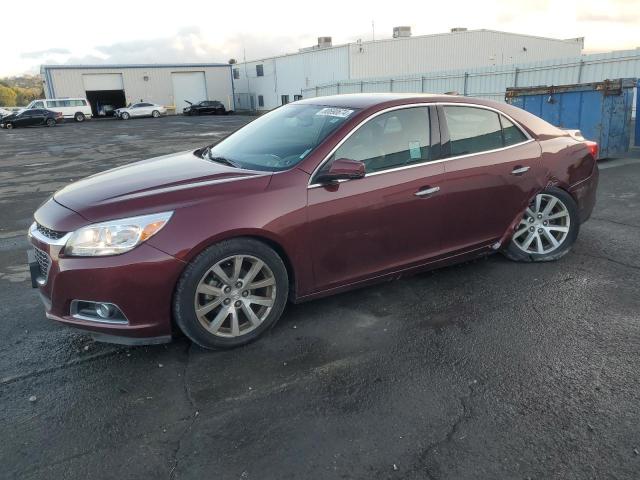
(231, 294)
(9, 126)
(548, 228)
(124, 116)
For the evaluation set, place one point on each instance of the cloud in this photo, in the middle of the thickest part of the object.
(190, 44)
(615, 17)
(44, 53)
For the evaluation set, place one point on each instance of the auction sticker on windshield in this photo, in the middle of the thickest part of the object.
(335, 112)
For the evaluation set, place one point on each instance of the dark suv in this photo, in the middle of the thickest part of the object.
(204, 108)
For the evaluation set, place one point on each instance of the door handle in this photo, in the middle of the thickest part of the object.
(427, 191)
(520, 170)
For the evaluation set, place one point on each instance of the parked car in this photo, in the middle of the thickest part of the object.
(31, 118)
(206, 107)
(77, 108)
(316, 197)
(106, 110)
(142, 109)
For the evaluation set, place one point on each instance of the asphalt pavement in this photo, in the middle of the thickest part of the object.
(485, 370)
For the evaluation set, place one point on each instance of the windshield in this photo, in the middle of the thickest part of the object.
(281, 138)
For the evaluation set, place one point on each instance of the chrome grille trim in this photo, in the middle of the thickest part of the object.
(49, 233)
(35, 233)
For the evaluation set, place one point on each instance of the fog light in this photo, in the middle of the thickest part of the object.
(97, 312)
(105, 310)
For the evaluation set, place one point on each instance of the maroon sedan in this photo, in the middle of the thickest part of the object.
(314, 198)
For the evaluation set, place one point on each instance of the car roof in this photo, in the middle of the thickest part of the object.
(535, 126)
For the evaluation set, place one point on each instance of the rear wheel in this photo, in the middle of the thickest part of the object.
(9, 126)
(548, 228)
(155, 114)
(51, 122)
(79, 117)
(231, 294)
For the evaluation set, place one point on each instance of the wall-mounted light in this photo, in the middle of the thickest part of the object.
(145, 78)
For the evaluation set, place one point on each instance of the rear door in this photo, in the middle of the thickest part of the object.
(387, 220)
(492, 170)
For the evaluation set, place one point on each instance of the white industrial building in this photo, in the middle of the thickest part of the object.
(119, 85)
(269, 82)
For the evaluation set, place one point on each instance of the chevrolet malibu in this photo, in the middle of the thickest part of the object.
(314, 198)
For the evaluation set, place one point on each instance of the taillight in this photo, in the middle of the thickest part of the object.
(593, 148)
(58, 114)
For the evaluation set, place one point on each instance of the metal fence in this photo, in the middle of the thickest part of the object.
(492, 82)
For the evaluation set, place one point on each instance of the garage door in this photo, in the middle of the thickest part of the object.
(188, 86)
(102, 81)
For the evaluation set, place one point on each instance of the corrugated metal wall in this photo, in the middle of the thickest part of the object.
(158, 88)
(450, 51)
(492, 82)
(289, 74)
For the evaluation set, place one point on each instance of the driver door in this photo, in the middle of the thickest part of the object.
(391, 218)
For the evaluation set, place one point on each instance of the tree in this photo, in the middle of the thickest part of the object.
(7, 97)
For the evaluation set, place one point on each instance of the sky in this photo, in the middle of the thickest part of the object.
(140, 31)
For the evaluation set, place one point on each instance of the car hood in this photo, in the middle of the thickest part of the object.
(9, 117)
(157, 184)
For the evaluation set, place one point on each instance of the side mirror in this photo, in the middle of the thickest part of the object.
(343, 169)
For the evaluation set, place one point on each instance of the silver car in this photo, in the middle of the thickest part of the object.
(142, 109)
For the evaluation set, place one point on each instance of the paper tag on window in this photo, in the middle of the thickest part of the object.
(414, 150)
(335, 112)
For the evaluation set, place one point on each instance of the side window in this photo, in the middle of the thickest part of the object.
(512, 134)
(472, 130)
(284, 99)
(236, 73)
(297, 97)
(260, 101)
(38, 105)
(260, 70)
(390, 140)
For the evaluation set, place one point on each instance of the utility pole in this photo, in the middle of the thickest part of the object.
(373, 30)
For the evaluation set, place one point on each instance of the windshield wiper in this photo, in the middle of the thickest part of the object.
(217, 159)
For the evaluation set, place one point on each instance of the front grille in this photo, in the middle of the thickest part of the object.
(47, 232)
(44, 261)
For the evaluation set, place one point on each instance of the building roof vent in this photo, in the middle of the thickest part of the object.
(401, 32)
(458, 29)
(324, 42)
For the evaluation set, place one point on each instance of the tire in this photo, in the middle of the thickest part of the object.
(214, 328)
(155, 114)
(79, 117)
(9, 126)
(50, 122)
(564, 228)
(124, 116)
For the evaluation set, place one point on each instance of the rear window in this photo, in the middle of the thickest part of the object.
(475, 130)
(512, 134)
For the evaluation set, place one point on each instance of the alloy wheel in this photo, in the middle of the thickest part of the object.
(235, 296)
(544, 226)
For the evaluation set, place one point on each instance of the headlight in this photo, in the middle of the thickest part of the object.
(116, 236)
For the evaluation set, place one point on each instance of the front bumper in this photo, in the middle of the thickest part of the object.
(140, 283)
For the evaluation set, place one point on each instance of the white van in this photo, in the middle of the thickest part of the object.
(76, 108)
